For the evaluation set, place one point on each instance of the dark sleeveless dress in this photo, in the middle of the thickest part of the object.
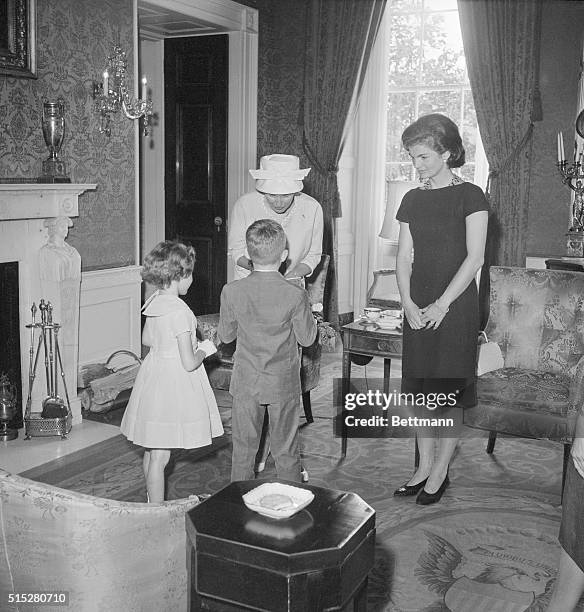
(443, 359)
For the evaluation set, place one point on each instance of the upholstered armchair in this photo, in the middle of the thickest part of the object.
(537, 319)
(220, 365)
(109, 555)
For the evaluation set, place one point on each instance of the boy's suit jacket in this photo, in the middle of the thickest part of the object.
(269, 316)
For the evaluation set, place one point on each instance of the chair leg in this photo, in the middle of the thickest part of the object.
(567, 449)
(416, 454)
(491, 442)
(307, 407)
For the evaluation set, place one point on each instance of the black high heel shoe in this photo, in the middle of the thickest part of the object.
(425, 499)
(406, 490)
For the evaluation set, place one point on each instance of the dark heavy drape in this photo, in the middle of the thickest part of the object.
(501, 44)
(339, 37)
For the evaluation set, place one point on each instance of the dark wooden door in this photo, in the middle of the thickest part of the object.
(195, 75)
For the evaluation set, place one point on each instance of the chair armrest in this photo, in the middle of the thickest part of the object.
(327, 336)
(576, 394)
(315, 283)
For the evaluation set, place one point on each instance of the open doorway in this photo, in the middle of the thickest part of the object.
(159, 20)
(195, 118)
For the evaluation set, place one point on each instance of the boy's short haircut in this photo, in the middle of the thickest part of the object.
(266, 241)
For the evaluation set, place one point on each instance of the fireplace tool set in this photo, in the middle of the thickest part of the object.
(55, 418)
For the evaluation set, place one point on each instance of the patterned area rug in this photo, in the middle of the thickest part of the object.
(490, 545)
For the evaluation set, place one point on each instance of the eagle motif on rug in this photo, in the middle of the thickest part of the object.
(492, 580)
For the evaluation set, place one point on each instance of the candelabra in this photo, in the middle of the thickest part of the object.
(112, 95)
(573, 176)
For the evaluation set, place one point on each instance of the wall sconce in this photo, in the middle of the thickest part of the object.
(111, 95)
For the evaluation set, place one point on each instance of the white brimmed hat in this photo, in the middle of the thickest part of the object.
(279, 174)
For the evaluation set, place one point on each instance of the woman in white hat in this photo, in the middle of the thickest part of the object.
(279, 196)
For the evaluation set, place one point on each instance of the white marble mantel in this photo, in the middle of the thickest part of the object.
(40, 200)
(23, 211)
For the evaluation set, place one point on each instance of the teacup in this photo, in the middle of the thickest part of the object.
(372, 313)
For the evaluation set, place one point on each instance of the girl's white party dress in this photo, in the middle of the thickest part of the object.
(170, 407)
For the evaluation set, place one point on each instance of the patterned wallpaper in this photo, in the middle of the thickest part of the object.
(282, 27)
(74, 37)
(549, 212)
(280, 76)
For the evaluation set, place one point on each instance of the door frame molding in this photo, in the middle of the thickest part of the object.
(240, 23)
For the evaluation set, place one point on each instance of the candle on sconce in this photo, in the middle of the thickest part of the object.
(562, 152)
(144, 82)
(105, 83)
(559, 153)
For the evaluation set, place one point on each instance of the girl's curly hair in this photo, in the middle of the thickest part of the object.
(168, 261)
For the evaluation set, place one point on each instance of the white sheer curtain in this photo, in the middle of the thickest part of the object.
(369, 184)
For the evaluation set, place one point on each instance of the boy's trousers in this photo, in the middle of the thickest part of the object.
(247, 418)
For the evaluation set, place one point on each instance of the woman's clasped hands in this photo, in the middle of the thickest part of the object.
(413, 314)
(429, 317)
(432, 315)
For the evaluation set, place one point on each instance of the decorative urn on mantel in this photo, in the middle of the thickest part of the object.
(34, 218)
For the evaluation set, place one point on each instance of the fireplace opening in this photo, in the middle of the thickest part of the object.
(10, 334)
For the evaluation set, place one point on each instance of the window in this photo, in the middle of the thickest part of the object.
(417, 67)
(427, 74)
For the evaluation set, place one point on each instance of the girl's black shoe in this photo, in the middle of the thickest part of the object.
(425, 499)
(406, 490)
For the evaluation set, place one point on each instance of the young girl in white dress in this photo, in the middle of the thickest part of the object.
(172, 404)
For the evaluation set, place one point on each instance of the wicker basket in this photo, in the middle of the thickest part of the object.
(101, 393)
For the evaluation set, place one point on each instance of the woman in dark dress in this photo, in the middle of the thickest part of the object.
(444, 223)
(569, 585)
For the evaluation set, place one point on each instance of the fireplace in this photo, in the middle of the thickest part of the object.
(10, 334)
(24, 211)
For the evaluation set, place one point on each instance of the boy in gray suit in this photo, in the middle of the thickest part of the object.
(270, 317)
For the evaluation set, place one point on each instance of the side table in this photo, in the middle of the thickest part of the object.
(371, 341)
(316, 560)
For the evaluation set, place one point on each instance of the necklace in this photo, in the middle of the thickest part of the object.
(282, 218)
(455, 180)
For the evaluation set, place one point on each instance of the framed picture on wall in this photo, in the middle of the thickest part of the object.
(17, 37)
